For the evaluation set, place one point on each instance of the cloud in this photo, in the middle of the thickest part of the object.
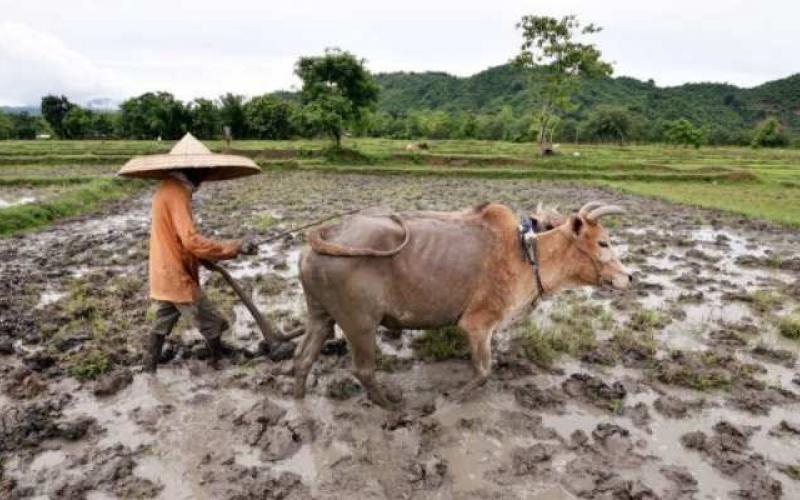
(34, 63)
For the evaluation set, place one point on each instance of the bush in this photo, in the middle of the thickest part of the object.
(769, 134)
(682, 132)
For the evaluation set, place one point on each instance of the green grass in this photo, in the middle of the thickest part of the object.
(645, 320)
(88, 365)
(441, 344)
(789, 326)
(571, 331)
(763, 200)
(84, 198)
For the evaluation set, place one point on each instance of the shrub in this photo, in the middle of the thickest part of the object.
(769, 134)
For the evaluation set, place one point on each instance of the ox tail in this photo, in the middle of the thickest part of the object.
(322, 246)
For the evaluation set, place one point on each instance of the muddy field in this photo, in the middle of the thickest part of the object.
(680, 388)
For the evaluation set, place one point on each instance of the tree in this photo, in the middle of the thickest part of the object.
(206, 122)
(77, 124)
(102, 125)
(555, 62)
(54, 109)
(338, 89)
(231, 111)
(769, 134)
(608, 123)
(682, 132)
(24, 126)
(6, 126)
(326, 115)
(152, 115)
(268, 117)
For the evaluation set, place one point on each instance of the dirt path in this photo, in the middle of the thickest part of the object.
(686, 390)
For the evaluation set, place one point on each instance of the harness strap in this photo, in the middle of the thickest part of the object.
(528, 228)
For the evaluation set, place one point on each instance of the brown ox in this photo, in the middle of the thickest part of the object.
(432, 269)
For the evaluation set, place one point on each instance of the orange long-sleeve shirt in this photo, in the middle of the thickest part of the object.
(176, 248)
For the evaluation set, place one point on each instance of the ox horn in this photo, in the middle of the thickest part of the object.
(584, 211)
(539, 208)
(595, 214)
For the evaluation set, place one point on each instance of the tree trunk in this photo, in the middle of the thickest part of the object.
(543, 129)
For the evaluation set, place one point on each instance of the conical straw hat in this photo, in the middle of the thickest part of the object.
(190, 153)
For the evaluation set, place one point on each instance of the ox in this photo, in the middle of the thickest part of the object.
(475, 269)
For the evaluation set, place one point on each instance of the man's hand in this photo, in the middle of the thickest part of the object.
(248, 246)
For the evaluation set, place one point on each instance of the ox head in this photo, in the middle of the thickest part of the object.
(594, 261)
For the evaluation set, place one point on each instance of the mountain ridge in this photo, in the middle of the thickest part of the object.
(711, 103)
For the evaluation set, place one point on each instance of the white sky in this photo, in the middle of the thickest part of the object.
(113, 48)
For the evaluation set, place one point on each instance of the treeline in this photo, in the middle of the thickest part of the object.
(282, 116)
(155, 115)
(604, 124)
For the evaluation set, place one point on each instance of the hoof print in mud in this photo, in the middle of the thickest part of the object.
(728, 451)
(342, 388)
(112, 382)
(594, 391)
(531, 397)
(268, 430)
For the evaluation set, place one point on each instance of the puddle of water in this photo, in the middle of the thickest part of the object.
(19, 201)
(49, 296)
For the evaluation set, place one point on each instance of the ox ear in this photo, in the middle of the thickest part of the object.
(576, 224)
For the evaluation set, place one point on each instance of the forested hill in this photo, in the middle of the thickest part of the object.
(714, 104)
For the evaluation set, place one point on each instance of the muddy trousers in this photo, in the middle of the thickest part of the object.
(204, 316)
(202, 312)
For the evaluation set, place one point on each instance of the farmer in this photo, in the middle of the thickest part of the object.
(176, 249)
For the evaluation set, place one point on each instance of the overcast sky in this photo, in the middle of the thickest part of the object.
(112, 48)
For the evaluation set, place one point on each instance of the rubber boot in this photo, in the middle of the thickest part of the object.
(153, 355)
(214, 352)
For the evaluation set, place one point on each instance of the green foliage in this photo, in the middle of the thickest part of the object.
(789, 326)
(555, 61)
(571, 332)
(769, 134)
(54, 110)
(764, 300)
(153, 115)
(88, 364)
(6, 127)
(683, 133)
(644, 320)
(206, 121)
(337, 91)
(268, 118)
(76, 124)
(24, 126)
(441, 344)
(82, 199)
(231, 110)
(102, 125)
(607, 124)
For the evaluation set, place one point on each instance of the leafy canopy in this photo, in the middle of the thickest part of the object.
(555, 60)
(337, 90)
(54, 110)
(769, 134)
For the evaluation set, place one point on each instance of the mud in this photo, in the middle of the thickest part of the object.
(681, 389)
